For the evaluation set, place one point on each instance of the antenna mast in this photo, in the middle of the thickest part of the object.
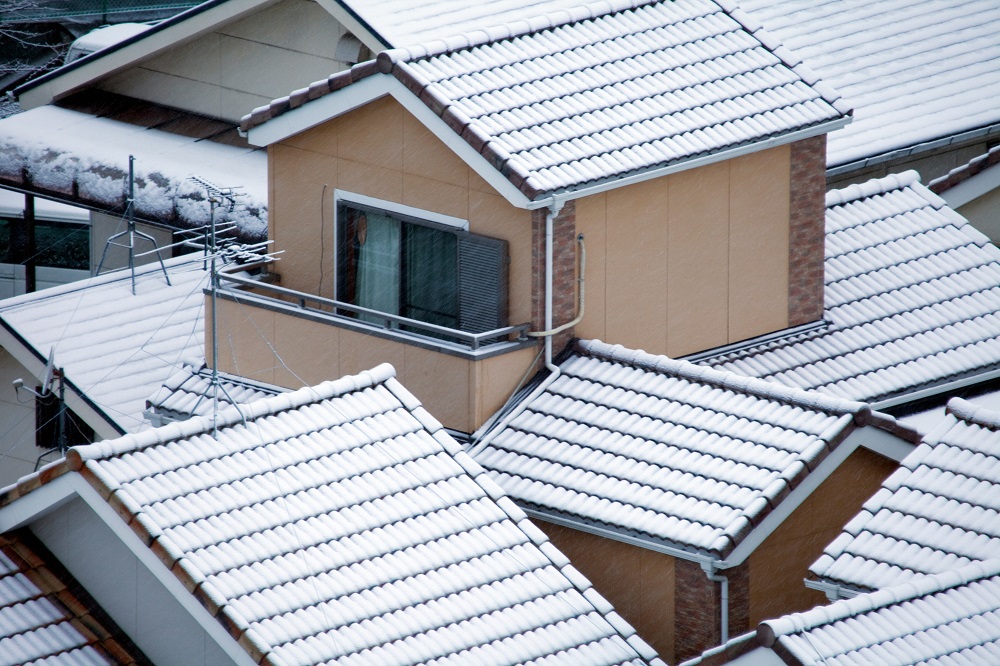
(132, 232)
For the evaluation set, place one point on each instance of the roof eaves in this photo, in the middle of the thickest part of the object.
(966, 171)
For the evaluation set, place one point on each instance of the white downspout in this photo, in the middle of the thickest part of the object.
(555, 206)
(715, 577)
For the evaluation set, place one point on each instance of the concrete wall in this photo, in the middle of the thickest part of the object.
(17, 422)
(126, 589)
(778, 566)
(638, 582)
(692, 260)
(250, 62)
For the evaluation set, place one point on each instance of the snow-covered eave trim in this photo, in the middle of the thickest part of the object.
(172, 32)
(936, 390)
(367, 90)
(38, 496)
(912, 150)
(973, 187)
(35, 363)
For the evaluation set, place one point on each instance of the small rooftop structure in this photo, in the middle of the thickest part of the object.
(669, 455)
(911, 301)
(947, 618)
(575, 101)
(939, 511)
(191, 392)
(337, 522)
(919, 75)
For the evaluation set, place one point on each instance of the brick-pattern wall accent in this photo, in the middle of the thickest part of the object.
(564, 260)
(698, 610)
(807, 232)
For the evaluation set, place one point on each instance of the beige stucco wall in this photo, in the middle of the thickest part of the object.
(638, 582)
(778, 566)
(292, 351)
(381, 151)
(227, 73)
(692, 260)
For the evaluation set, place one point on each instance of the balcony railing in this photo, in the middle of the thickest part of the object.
(402, 327)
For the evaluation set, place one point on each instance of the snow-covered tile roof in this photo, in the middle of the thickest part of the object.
(341, 522)
(912, 299)
(938, 511)
(116, 348)
(44, 620)
(950, 619)
(914, 72)
(603, 95)
(662, 449)
(83, 158)
(962, 173)
(190, 392)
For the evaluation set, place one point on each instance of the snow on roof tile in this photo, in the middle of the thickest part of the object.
(42, 617)
(332, 523)
(604, 95)
(83, 158)
(912, 295)
(116, 348)
(190, 392)
(949, 619)
(966, 171)
(938, 511)
(914, 72)
(673, 452)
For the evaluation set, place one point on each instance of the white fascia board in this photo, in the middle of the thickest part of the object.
(368, 90)
(104, 427)
(884, 443)
(49, 496)
(352, 22)
(39, 502)
(773, 142)
(607, 533)
(795, 498)
(152, 44)
(972, 188)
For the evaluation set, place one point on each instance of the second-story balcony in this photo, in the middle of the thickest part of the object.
(273, 334)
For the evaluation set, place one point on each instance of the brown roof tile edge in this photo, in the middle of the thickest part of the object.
(861, 412)
(771, 631)
(960, 174)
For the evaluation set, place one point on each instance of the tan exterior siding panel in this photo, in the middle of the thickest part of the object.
(758, 241)
(779, 565)
(698, 289)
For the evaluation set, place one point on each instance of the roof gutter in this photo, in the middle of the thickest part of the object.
(657, 172)
(947, 387)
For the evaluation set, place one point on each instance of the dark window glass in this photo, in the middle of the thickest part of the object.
(57, 244)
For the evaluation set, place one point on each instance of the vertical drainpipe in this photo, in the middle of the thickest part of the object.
(30, 244)
(715, 577)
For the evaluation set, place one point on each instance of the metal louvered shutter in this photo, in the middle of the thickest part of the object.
(482, 283)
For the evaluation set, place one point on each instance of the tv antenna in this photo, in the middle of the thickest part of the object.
(132, 233)
(45, 392)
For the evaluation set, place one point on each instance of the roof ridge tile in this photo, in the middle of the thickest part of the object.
(727, 380)
(973, 414)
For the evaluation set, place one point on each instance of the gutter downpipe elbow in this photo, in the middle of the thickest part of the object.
(712, 572)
